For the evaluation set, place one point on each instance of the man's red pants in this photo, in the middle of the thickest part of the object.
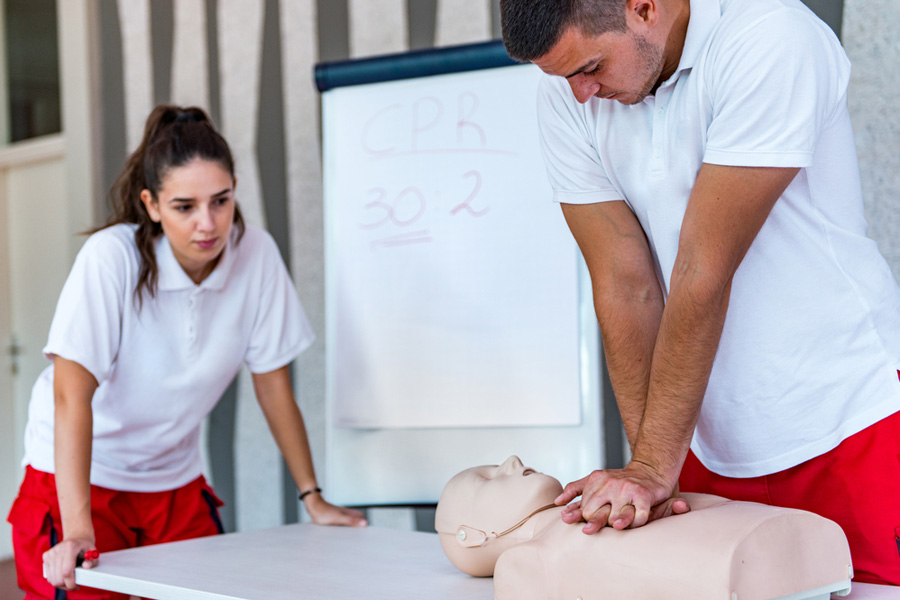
(857, 485)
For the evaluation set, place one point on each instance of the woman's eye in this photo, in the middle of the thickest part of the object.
(223, 200)
(183, 208)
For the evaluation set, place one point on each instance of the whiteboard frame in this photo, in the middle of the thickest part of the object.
(406, 467)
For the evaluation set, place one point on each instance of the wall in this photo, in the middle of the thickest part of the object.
(9, 474)
(32, 175)
(874, 99)
(47, 190)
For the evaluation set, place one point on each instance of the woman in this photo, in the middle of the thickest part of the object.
(160, 310)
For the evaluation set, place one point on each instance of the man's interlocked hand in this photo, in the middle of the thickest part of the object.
(621, 498)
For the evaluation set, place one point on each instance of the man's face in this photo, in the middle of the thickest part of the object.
(623, 66)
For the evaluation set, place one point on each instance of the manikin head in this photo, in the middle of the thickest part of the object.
(480, 506)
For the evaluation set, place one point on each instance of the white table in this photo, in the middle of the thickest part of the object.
(867, 591)
(295, 562)
(300, 562)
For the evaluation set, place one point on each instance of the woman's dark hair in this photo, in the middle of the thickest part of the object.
(173, 136)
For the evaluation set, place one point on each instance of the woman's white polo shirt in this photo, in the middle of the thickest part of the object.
(162, 366)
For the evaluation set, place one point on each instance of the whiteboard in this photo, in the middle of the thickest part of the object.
(459, 323)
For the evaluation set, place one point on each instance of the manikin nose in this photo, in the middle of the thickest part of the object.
(512, 465)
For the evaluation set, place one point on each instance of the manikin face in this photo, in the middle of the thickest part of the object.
(502, 495)
(195, 207)
(490, 498)
(624, 66)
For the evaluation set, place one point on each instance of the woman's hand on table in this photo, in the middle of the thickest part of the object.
(323, 512)
(61, 559)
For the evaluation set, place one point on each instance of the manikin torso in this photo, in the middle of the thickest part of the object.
(722, 549)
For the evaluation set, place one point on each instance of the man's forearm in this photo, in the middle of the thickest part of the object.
(629, 333)
(727, 208)
(628, 299)
(686, 347)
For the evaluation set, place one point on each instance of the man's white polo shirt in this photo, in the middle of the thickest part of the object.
(811, 344)
(163, 366)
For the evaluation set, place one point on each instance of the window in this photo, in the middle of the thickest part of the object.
(32, 63)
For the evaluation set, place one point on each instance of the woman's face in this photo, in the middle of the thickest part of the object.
(195, 207)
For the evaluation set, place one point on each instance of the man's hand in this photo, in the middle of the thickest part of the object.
(620, 498)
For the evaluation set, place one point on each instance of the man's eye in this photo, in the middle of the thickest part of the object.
(595, 70)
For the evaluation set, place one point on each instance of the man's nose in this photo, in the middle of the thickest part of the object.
(583, 87)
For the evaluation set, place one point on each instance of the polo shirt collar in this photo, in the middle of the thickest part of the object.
(173, 278)
(704, 16)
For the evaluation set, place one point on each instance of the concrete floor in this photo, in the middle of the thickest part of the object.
(8, 588)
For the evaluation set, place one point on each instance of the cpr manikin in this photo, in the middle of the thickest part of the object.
(501, 520)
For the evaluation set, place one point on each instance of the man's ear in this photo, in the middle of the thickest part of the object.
(151, 205)
(642, 14)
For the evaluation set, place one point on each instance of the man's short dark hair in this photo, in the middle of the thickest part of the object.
(532, 27)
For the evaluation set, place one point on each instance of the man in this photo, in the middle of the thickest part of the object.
(703, 156)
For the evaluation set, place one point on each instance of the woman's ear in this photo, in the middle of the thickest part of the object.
(151, 205)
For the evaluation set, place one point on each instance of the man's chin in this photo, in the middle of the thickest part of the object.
(624, 98)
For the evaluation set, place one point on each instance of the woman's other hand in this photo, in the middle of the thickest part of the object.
(323, 512)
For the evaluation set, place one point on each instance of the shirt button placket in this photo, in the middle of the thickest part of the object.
(193, 302)
(660, 137)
